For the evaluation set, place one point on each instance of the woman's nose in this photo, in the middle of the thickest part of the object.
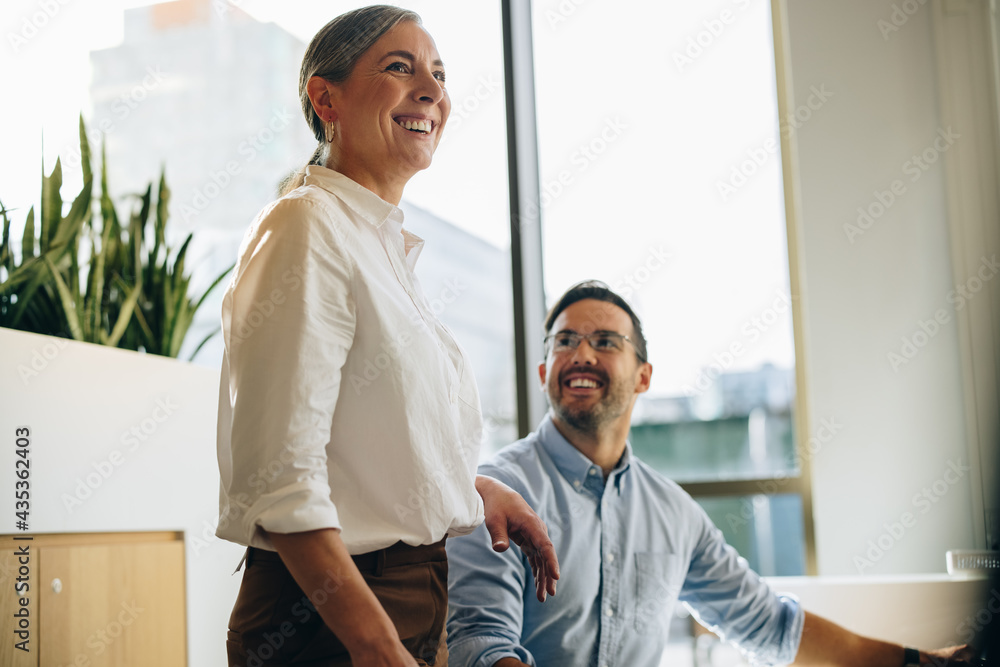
(427, 88)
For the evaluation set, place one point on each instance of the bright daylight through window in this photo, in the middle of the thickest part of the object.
(661, 176)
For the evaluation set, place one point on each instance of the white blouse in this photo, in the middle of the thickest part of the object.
(344, 403)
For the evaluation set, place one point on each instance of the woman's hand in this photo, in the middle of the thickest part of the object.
(319, 563)
(389, 654)
(510, 519)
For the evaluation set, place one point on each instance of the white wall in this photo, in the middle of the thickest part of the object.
(925, 611)
(81, 401)
(903, 427)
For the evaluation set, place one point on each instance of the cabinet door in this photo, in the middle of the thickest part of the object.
(113, 604)
(11, 576)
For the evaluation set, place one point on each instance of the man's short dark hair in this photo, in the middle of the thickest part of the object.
(595, 289)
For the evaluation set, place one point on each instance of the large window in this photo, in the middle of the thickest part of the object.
(660, 174)
(206, 90)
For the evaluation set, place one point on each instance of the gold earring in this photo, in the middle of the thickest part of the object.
(329, 131)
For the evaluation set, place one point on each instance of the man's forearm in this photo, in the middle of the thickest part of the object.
(826, 643)
(319, 561)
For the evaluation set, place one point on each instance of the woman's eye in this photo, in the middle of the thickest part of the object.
(439, 76)
(397, 67)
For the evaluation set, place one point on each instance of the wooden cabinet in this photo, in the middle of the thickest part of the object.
(94, 599)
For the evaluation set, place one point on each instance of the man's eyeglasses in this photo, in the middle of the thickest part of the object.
(599, 341)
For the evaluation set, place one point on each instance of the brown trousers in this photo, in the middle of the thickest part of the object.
(274, 623)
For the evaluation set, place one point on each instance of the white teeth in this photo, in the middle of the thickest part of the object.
(583, 382)
(416, 125)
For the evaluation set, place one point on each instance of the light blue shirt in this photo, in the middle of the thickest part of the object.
(629, 548)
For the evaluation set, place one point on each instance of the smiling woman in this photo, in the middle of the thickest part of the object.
(343, 489)
(391, 131)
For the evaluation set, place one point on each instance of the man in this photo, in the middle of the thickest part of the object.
(630, 543)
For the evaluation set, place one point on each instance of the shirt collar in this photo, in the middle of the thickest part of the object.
(372, 208)
(412, 245)
(578, 470)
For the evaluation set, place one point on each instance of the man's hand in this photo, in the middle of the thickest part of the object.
(953, 656)
(510, 519)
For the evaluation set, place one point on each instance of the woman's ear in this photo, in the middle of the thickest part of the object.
(321, 94)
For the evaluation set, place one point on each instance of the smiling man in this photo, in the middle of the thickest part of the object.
(631, 543)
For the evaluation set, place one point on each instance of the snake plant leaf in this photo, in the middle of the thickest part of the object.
(128, 306)
(197, 305)
(74, 280)
(28, 239)
(27, 270)
(94, 297)
(88, 174)
(112, 226)
(180, 319)
(68, 303)
(179, 262)
(136, 231)
(79, 213)
(98, 263)
(51, 211)
(34, 273)
(43, 313)
(21, 274)
(202, 344)
(179, 328)
(6, 256)
(66, 229)
(211, 287)
(162, 201)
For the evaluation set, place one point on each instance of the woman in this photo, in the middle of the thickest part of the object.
(349, 420)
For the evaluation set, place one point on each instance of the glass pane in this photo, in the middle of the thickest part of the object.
(758, 445)
(206, 90)
(660, 175)
(764, 529)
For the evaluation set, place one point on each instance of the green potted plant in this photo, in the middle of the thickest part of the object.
(134, 294)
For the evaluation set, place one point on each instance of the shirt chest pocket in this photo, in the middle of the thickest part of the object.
(659, 577)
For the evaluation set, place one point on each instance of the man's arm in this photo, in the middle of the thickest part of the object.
(486, 593)
(826, 643)
(319, 562)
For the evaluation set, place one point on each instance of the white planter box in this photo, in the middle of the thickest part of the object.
(121, 441)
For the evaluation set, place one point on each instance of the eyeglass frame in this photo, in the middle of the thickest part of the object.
(580, 337)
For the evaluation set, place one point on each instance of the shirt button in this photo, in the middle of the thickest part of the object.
(611, 558)
(609, 612)
(593, 471)
(576, 483)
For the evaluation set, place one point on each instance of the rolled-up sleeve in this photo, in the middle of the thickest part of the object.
(289, 320)
(485, 600)
(731, 599)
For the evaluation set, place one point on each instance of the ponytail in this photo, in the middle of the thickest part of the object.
(298, 178)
